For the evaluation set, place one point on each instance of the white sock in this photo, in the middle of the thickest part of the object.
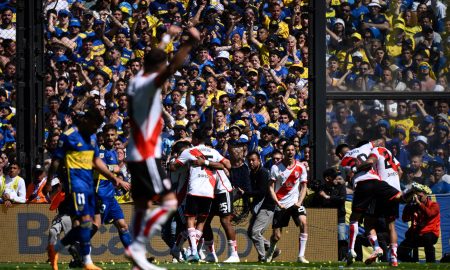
(352, 235)
(232, 248)
(302, 244)
(154, 219)
(394, 252)
(87, 259)
(373, 239)
(193, 239)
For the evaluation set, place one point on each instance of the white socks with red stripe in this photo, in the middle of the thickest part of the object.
(152, 220)
(373, 239)
(194, 237)
(394, 252)
(352, 235)
(302, 244)
(232, 248)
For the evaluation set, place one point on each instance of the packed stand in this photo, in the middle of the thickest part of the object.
(388, 45)
(7, 77)
(416, 132)
(246, 82)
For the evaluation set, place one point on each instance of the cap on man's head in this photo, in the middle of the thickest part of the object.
(400, 130)
(428, 119)
(357, 35)
(74, 23)
(224, 54)
(182, 105)
(375, 3)
(64, 12)
(38, 168)
(250, 100)
(252, 71)
(383, 123)
(421, 139)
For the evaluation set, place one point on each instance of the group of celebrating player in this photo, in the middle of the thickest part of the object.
(375, 174)
(203, 188)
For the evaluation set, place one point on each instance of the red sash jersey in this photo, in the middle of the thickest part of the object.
(146, 118)
(386, 166)
(202, 180)
(287, 181)
(356, 156)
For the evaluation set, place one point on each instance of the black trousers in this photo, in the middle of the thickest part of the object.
(407, 251)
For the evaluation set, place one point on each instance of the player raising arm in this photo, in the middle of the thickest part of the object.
(149, 180)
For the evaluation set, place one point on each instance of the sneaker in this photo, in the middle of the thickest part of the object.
(193, 258)
(262, 259)
(302, 259)
(211, 257)
(232, 259)
(136, 254)
(377, 253)
(394, 264)
(176, 254)
(276, 253)
(75, 264)
(53, 257)
(269, 255)
(351, 255)
(201, 254)
(91, 266)
(74, 251)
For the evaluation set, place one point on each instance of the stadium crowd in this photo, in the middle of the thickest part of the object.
(375, 46)
(245, 83)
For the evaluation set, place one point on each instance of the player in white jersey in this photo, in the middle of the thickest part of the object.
(389, 170)
(222, 206)
(368, 187)
(288, 190)
(149, 180)
(173, 232)
(203, 162)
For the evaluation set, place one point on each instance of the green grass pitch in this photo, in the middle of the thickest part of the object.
(238, 266)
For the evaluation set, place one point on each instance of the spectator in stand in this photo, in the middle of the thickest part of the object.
(37, 191)
(424, 215)
(13, 189)
(440, 179)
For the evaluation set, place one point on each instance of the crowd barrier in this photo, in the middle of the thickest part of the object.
(25, 232)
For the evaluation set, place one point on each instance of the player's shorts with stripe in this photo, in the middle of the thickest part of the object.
(281, 217)
(369, 191)
(148, 179)
(197, 206)
(222, 204)
(83, 204)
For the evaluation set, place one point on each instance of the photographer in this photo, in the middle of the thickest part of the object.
(425, 220)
